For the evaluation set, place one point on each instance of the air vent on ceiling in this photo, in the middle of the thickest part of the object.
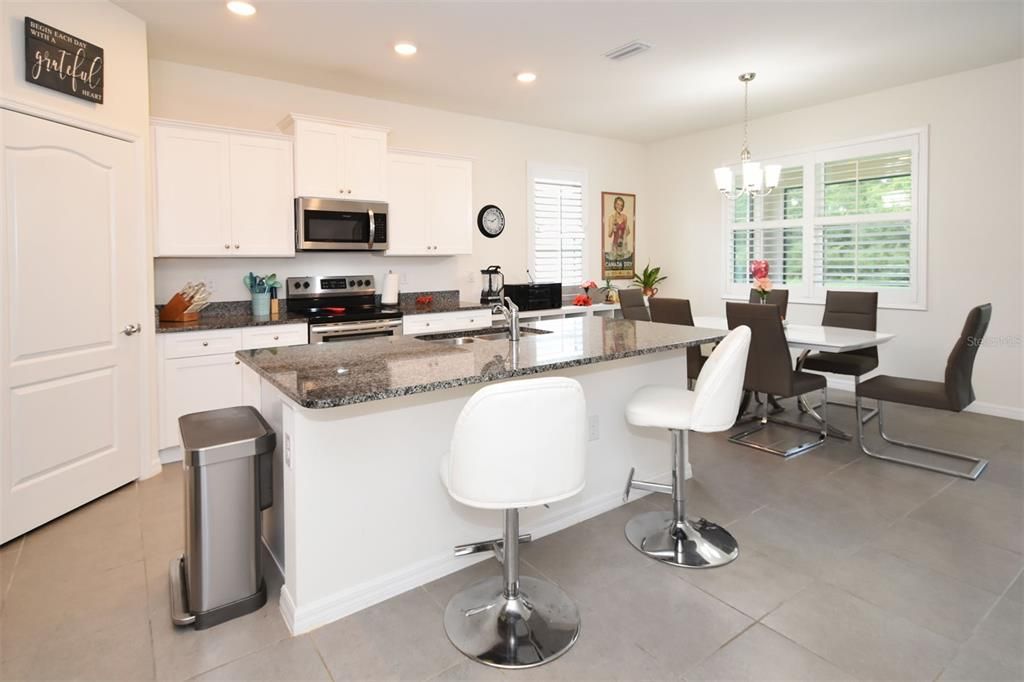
(628, 50)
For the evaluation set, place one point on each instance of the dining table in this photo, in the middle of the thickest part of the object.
(809, 338)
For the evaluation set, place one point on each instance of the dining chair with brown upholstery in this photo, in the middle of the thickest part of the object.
(770, 371)
(631, 301)
(850, 310)
(952, 394)
(678, 311)
(776, 297)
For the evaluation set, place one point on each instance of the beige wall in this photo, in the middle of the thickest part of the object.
(500, 151)
(121, 35)
(975, 230)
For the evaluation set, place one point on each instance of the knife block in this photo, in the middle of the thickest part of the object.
(174, 311)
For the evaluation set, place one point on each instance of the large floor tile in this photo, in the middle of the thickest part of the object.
(9, 554)
(1001, 634)
(763, 654)
(973, 665)
(295, 658)
(108, 649)
(860, 637)
(42, 608)
(932, 600)
(802, 542)
(665, 616)
(957, 556)
(753, 583)
(183, 652)
(1016, 591)
(401, 638)
(961, 515)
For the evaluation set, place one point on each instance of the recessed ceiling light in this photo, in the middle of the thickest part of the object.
(405, 49)
(526, 77)
(241, 8)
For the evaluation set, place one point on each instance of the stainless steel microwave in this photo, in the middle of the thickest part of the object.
(334, 225)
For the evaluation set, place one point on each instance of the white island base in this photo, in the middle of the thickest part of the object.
(360, 514)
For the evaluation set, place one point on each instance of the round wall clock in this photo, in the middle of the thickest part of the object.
(491, 221)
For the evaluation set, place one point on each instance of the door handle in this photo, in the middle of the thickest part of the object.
(132, 329)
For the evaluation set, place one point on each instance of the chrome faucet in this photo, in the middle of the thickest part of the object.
(511, 313)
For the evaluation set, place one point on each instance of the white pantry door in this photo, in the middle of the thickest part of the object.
(72, 280)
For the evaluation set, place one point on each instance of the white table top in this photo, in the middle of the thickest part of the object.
(815, 337)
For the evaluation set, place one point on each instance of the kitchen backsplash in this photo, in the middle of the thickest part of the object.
(225, 274)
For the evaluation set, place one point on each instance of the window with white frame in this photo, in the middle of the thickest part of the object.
(557, 214)
(864, 229)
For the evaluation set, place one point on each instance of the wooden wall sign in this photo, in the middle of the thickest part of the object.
(60, 61)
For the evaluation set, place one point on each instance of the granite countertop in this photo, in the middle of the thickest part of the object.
(445, 301)
(333, 374)
(227, 315)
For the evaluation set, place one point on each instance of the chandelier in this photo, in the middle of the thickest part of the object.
(756, 181)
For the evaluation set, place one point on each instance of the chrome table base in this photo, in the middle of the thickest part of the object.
(534, 627)
(690, 544)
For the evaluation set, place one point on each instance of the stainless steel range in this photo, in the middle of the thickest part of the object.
(341, 308)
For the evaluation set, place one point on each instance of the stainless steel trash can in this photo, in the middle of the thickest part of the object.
(228, 482)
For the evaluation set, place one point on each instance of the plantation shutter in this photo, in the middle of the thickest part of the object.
(557, 230)
(863, 225)
(770, 228)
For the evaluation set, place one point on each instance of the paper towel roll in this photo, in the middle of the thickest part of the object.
(390, 295)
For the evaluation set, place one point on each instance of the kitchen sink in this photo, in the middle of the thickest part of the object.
(464, 338)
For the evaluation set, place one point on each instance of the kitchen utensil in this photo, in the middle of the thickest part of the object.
(493, 283)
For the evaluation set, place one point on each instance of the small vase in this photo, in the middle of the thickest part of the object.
(650, 292)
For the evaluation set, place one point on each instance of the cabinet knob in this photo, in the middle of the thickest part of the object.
(341, 190)
(426, 324)
(349, 191)
(238, 362)
(236, 246)
(276, 338)
(227, 246)
(206, 343)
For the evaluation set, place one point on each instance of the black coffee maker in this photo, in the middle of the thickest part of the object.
(493, 283)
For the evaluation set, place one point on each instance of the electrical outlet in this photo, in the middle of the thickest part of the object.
(288, 450)
(594, 431)
(403, 279)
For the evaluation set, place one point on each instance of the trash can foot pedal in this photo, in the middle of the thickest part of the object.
(179, 609)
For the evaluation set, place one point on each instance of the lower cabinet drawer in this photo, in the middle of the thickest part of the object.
(433, 323)
(275, 335)
(193, 344)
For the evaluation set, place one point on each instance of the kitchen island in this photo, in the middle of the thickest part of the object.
(360, 513)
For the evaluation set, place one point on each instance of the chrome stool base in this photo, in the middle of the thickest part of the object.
(689, 544)
(535, 627)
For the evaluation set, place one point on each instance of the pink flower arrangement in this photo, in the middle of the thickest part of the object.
(762, 283)
(584, 298)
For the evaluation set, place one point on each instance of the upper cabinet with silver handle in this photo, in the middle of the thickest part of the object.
(132, 329)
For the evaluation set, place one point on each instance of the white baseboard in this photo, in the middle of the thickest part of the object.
(994, 410)
(1006, 411)
(171, 454)
(346, 602)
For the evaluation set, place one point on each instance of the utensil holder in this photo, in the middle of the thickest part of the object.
(261, 304)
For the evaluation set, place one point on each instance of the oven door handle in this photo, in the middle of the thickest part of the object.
(353, 328)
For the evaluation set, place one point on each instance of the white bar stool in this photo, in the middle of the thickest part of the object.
(514, 621)
(711, 406)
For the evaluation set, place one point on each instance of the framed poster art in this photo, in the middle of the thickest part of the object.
(618, 235)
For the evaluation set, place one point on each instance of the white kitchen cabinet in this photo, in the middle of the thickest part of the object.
(221, 192)
(338, 160)
(430, 207)
(205, 382)
(262, 205)
(193, 205)
(199, 371)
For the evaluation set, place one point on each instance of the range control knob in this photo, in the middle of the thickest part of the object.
(351, 282)
(305, 285)
(298, 286)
